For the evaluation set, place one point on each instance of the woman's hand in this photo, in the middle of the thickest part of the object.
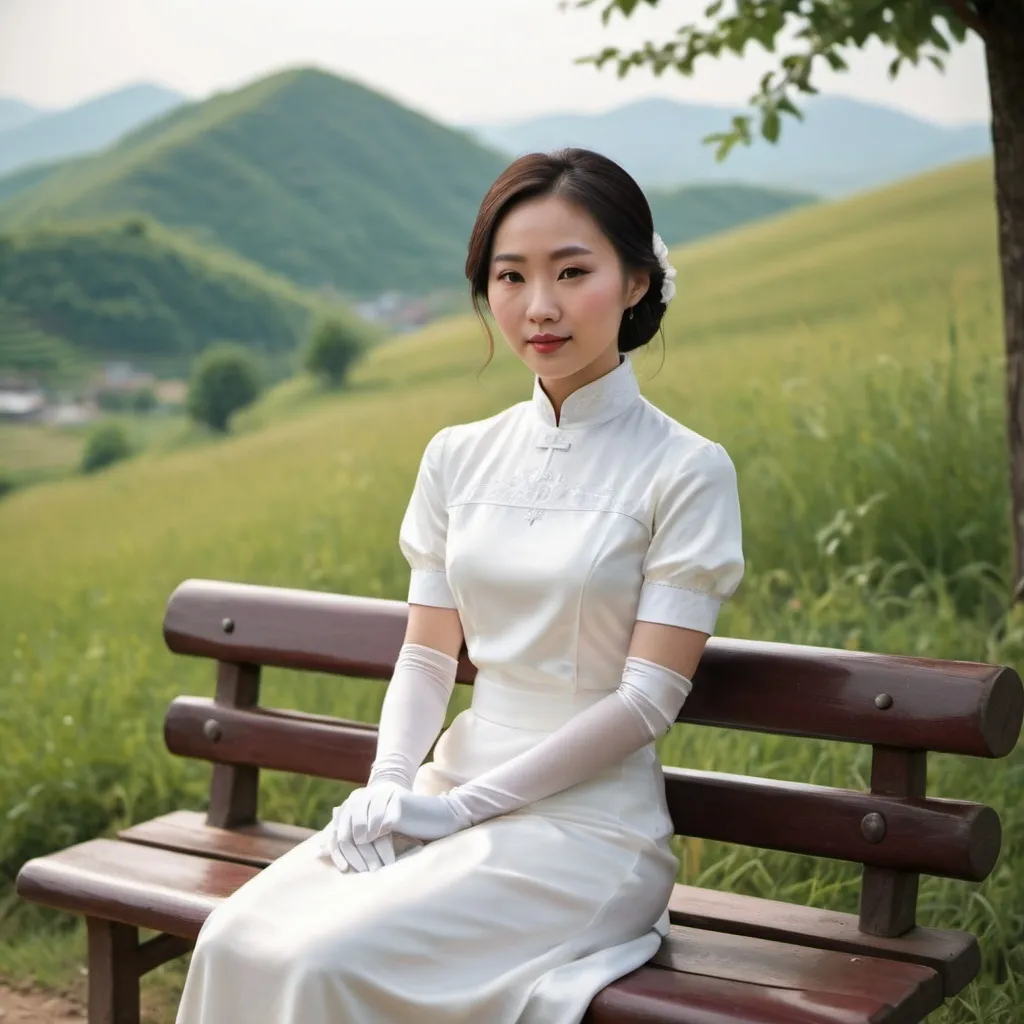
(355, 838)
(363, 829)
(421, 817)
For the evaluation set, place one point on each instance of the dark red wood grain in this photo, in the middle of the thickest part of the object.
(956, 707)
(696, 977)
(953, 955)
(189, 832)
(951, 838)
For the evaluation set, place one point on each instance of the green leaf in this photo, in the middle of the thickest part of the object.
(835, 61)
(770, 126)
(787, 106)
(725, 141)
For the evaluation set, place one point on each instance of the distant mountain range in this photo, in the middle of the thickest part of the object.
(15, 113)
(312, 176)
(29, 136)
(841, 146)
(321, 180)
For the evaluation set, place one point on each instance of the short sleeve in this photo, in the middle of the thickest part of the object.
(423, 534)
(695, 559)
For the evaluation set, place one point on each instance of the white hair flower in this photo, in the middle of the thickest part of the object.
(668, 285)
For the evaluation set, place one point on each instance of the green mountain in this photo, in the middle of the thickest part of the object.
(134, 290)
(696, 211)
(25, 347)
(311, 176)
(322, 181)
(21, 181)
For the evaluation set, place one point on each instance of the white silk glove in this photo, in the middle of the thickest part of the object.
(642, 708)
(411, 717)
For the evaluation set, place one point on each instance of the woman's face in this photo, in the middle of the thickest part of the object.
(558, 291)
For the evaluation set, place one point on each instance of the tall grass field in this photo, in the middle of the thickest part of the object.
(849, 358)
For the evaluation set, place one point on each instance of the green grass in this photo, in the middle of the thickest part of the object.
(698, 211)
(849, 359)
(34, 453)
(30, 452)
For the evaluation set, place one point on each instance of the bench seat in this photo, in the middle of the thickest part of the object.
(953, 955)
(170, 873)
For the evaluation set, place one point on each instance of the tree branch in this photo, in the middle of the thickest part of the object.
(968, 16)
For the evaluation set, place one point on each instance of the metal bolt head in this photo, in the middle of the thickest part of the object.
(228, 625)
(883, 701)
(212, 730)
(872, 827)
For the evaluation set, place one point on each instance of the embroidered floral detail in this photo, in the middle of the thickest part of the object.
(534, 514)
(547, 490)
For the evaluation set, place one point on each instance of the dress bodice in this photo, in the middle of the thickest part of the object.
(552, 540)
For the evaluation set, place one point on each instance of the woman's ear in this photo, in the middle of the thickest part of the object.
(637, 284)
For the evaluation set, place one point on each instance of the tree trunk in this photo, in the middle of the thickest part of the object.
(1004, 43)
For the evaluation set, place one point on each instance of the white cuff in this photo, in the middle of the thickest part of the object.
(676, 606)
(430, 586)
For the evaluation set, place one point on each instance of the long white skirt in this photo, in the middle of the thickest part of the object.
(521, 919)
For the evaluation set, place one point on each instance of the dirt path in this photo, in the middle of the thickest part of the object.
(27, 1007)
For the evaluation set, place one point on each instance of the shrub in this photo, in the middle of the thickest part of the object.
(332, 351)
(225, 379)
(107, 444)
(6, 482)
(112, 400)
(144, 400)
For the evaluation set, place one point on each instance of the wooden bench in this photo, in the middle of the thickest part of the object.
(729, 957)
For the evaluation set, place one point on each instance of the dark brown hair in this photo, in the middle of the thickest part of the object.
(596, 185)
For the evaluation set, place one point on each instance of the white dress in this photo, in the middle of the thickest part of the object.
(550, 540)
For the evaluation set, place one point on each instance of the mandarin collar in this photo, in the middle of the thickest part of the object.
(594, 403)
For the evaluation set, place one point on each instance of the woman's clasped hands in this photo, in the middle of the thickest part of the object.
(382, 819)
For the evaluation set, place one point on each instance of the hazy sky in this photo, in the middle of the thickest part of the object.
(458, 60)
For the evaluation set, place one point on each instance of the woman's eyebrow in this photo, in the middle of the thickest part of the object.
(558, 254)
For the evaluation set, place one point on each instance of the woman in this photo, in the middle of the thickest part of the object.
(582, 542)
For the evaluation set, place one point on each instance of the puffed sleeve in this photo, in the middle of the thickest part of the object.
(424, 531)
(695, 558)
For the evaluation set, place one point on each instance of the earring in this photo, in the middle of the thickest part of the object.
(630, 312)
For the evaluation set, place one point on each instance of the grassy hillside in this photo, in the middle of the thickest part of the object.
(847, 356)
(311, 176)
(21, 181)
(132, 289)
(26, 347)
(698, 211)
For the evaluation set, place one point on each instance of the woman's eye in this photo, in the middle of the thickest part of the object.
(507, 275)
(574, 272)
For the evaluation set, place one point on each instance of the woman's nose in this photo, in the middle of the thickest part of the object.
(542, 306)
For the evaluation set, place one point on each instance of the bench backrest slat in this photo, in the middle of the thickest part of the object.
(911, 703)
(939, 837)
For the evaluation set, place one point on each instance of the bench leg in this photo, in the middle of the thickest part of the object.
(113, 972)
